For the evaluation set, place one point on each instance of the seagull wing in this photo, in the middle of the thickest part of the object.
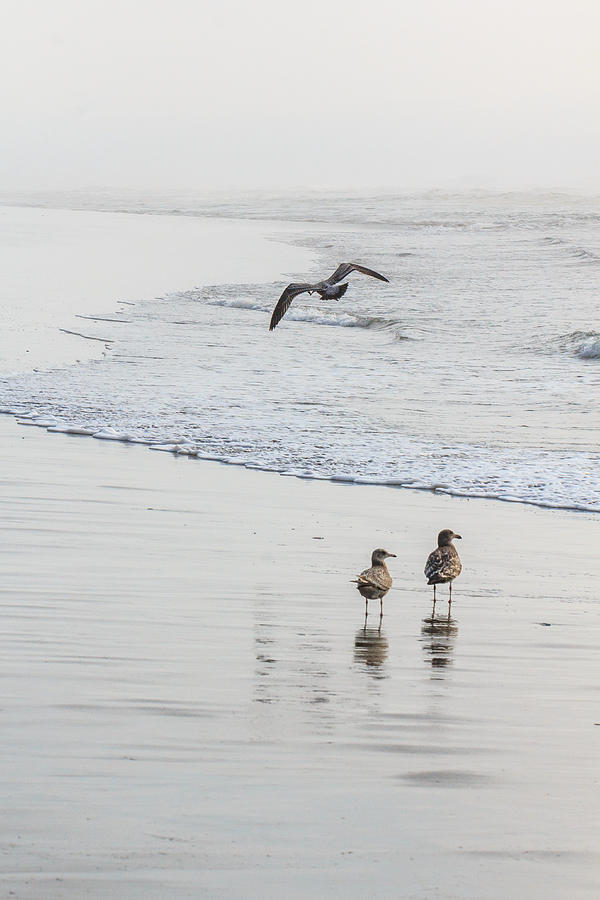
(433, 564)
(283, 304)
(344, 269)
(376, 577)
(443, 563)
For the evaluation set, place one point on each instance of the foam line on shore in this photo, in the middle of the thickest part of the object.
(189, 449)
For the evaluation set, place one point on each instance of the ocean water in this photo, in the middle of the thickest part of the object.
(475, 371)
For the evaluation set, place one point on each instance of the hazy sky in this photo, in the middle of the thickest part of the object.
(319, 93)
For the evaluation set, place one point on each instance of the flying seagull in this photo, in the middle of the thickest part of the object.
(329, 289)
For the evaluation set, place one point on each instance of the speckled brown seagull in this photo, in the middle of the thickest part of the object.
(375, 582)
(443, 564)
(328, 289)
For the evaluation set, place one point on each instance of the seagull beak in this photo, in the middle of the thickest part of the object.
(392, 554)
(459, 536)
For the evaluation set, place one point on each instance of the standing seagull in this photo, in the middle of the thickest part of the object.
(329, 289)
(443, 565)
(374, 583)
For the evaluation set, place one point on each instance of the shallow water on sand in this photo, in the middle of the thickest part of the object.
(193, 703)
(475, 371)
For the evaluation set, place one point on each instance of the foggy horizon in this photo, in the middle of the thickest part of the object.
(224, 97)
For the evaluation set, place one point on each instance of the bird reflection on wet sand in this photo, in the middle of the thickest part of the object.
(371, 648)
(438, 636)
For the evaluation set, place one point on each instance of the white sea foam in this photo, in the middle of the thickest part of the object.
(239, 303)
(72, 429)
(111, 434)
(584, 344)
(481, 400)
(518, 479)
(303, 313)
(39, 420)
(589, 348)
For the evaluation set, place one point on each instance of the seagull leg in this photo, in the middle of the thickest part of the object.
(450, 596)
(380, 608)
(366, 607)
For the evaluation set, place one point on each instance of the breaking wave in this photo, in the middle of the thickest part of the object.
(584, 344)
(586, 255)
(491, 394)
(467, 471)
(575, 252)
(316, 315)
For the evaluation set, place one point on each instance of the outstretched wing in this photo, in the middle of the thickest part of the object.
(344, 269)
(283, 304)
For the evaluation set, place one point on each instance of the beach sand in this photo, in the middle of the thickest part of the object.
(192, 706)
(61, 266)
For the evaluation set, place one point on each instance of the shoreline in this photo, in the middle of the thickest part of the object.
(188, 673)
(107, 434)
(69, 278)
(235, 254)
(195, 705)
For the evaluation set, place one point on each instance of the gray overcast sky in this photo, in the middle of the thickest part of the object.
(320, 93)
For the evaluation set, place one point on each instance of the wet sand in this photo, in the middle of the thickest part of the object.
(62, 267)
(192, 706)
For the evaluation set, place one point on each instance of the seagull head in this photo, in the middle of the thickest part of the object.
(378, 556)
(446, 537)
